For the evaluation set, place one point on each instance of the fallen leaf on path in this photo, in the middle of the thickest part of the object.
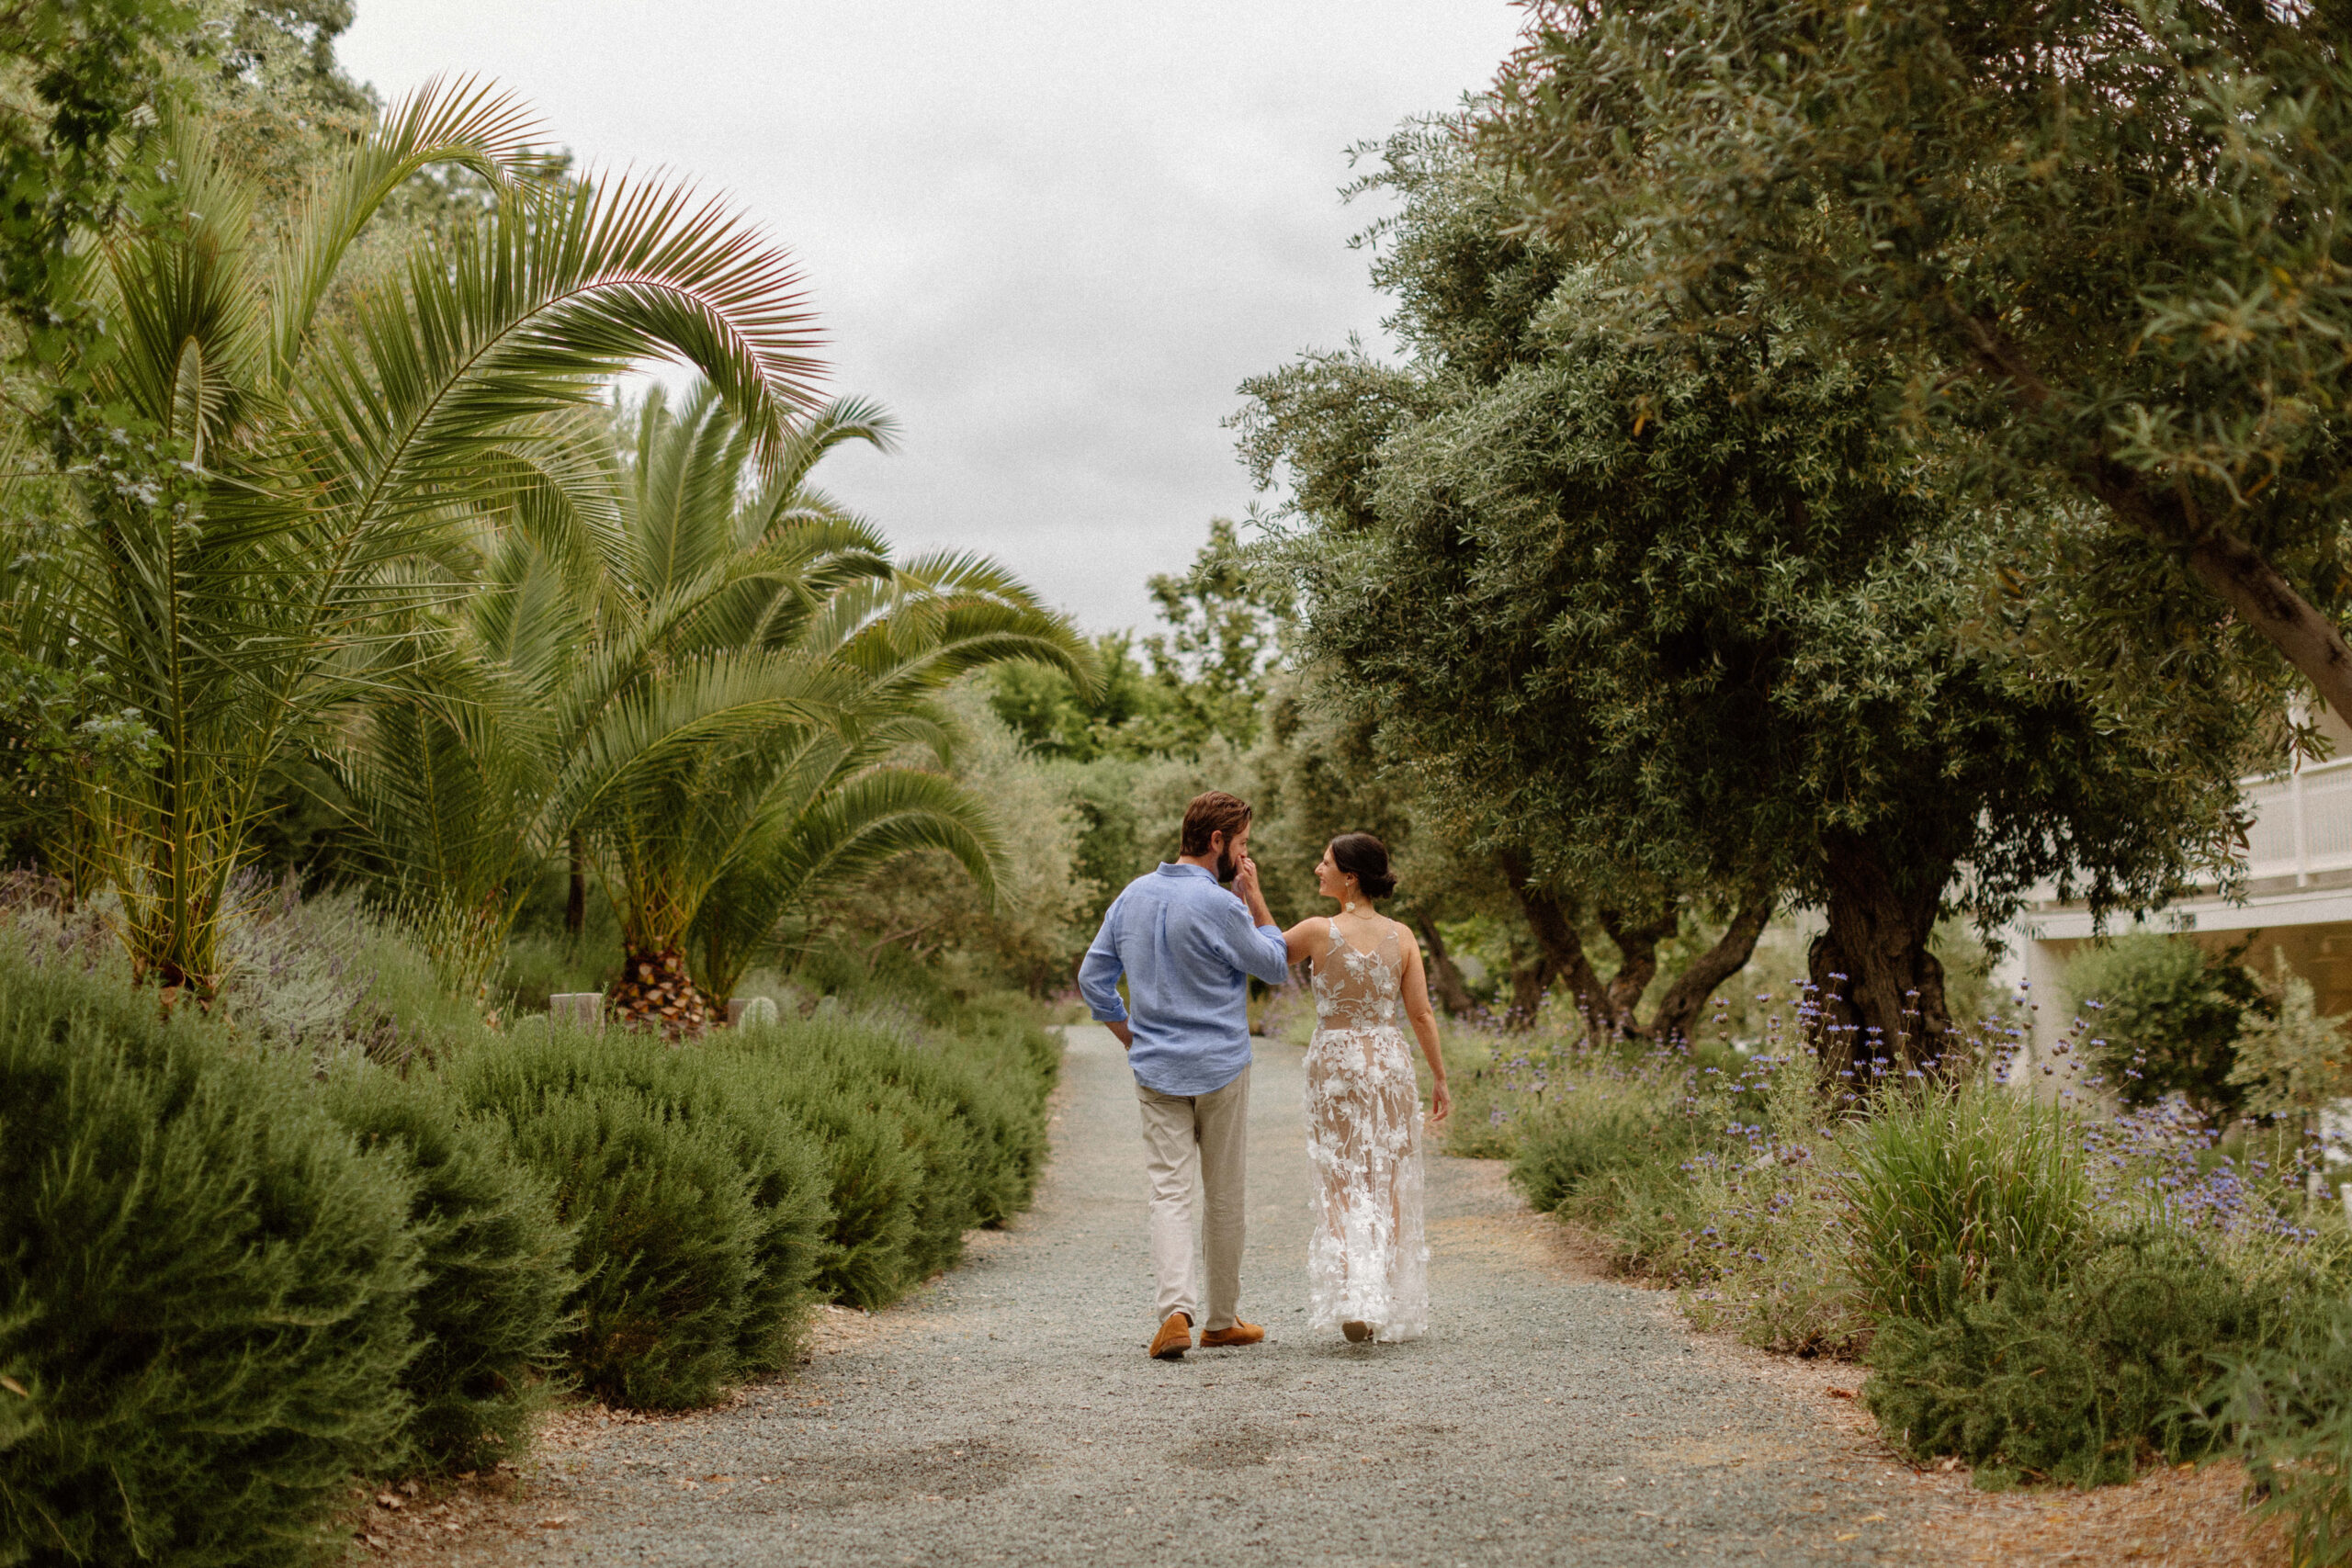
(554, 1522)
(1839, 1392)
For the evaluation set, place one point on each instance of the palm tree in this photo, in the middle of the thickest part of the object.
(722, 698)
(806, 803)
(277, 516)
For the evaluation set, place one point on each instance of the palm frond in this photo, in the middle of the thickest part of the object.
(468, 123)
(844, 834)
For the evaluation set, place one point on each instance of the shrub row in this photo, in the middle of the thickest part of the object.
(2051, 1295)
(228, 1287)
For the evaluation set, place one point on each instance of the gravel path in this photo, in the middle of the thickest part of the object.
(1007, 1413)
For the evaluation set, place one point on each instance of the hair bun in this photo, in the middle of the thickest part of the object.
(1365, 858)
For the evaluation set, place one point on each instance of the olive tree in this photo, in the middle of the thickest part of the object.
(1681, 619)
(2107, 238)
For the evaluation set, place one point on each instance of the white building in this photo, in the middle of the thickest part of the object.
(2297, 898)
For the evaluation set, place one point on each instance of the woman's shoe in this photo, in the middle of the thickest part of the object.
(1357, 1330)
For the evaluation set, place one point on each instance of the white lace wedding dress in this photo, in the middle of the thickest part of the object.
(1367, 1261)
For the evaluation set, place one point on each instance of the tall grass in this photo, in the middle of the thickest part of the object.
(1973, 1172)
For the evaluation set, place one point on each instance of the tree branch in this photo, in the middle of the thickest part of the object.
(1677, 1010)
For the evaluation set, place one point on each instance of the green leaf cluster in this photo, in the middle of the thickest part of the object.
(2105, 241)
(1661, 616)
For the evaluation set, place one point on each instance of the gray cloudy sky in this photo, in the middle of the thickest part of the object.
(1052, 236)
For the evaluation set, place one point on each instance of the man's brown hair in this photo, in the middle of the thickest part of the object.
(1215, 812)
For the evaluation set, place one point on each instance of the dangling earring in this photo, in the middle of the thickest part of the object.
(1348, 904)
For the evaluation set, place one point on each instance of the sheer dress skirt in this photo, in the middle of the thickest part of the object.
(1367, 1259)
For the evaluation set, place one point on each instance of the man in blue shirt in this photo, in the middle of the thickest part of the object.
(1188, 948)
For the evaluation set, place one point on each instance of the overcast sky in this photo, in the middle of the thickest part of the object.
(1051, 236)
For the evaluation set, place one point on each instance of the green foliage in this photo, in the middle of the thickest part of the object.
(1210, 670)
(66, 169)
(1055, 715)
(2290, 1059)
(696, 1198)
(1962, 1187)
(877, 1177)
(2103, 237)
(205, 1289)
(2075, 1380)
(1663, 618)
(329, 461)
(1563, 1149)
(2167, 1017)
(1031, 932)
(51, 738)
(667, 1231)
(491, 1306)
(2290, 1405)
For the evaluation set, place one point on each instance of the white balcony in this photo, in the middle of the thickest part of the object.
(2303, 826)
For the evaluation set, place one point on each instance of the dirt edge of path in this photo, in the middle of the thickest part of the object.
(2195, 1514)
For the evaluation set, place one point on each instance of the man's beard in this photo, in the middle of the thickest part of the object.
(1227, 867)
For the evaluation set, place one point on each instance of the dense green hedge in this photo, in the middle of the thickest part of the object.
(496, 1280)
(226, 1289)
(204, 1288)
(699, 1203)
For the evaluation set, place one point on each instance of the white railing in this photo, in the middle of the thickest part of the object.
(2302, 822)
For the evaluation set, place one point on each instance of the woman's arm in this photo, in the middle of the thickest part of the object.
(1305, 940)
(1424, 1020)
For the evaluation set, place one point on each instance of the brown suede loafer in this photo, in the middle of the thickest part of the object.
(1239, 1334)
(1175, 1338)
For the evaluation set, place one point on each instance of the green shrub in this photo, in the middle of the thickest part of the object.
(876, 1178)
(2168, 1012)
(664, 1230)
(917, 1095)
(496, 1279)
(204, 1290)
(2289, 1406)
(1590, 1135)
(1974, 1174)
(2076, 1381)
(667, 1319)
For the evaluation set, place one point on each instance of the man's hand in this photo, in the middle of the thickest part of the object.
(1245, 883)
(1126, 1037)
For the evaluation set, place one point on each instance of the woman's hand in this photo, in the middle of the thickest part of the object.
(1440, 1104)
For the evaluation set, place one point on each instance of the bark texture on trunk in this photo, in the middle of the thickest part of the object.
(1677, 1010)
(1880, 990)
(655, 992)
(1636, 961)
(1445, 979)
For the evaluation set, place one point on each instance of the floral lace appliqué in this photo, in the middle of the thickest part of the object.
(1367, 1259)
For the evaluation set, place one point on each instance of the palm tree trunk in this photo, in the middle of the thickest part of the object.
(655, 992)
(575, 901)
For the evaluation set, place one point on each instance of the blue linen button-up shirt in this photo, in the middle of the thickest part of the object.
(1187, 948)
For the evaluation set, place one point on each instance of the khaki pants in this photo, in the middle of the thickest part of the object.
(1207, 1134)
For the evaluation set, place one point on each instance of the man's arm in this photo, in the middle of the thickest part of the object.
(1098, 977)
(1257, 942)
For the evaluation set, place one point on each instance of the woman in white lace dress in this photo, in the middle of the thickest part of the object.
(1367, 1264)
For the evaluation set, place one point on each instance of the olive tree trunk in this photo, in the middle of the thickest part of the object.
(1881, 992)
